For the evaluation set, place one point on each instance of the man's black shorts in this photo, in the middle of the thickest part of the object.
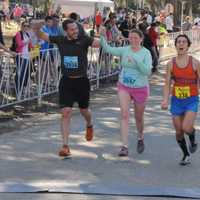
(74, 90)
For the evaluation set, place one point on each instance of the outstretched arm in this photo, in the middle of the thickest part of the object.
(41, 35)
(116, 51)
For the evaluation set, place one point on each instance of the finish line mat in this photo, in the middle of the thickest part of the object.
(103, 189)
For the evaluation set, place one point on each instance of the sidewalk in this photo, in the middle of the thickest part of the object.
(29, 160)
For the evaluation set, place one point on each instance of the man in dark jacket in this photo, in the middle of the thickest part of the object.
(125, 27)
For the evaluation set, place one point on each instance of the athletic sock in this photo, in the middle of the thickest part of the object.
(192, 137)
(183, 146)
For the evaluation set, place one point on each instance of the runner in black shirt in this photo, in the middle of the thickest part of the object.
(74, 85)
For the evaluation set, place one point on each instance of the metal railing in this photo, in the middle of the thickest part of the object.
(167, 46)
(35, 78)
(28, 79)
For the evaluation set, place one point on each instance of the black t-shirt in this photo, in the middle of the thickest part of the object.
(73, 54)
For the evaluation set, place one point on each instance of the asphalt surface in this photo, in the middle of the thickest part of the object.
(29, 160)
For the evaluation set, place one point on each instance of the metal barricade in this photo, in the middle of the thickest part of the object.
(27, 79)
(194, 36)
(35, 78)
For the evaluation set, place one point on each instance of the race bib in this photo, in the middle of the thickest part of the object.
(128, 80)
(182, 92)
(71, 62)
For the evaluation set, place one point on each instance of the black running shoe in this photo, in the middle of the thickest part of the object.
(185, 160)
(140, 146)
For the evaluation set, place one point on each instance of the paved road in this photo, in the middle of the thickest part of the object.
(29, 161)
(76, 197)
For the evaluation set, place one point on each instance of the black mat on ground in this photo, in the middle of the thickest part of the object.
(99, 189)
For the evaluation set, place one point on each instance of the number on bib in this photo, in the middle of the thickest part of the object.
(182, 92)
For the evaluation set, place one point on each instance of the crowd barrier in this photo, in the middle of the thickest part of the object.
(25, 81)
(167, 43)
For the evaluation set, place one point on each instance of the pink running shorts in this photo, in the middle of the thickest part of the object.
(139, 95)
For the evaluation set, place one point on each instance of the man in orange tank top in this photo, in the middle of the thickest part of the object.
(183, 74)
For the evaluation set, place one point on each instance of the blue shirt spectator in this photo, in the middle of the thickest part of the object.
(56, 28)
(47, 28)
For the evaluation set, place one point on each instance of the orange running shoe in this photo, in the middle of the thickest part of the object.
(64, 151)
(89, 133)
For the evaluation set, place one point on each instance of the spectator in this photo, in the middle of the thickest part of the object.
(186, 26)
(196, 26)
(125, 26)
(149, 18)
(56, 29)
(133, 23)
(24, 44)
(112, 30)
(147, 43)
(47, 28)
(98, 20)
(154, 36)
(169, 21)
(17, 13)
(1, 35)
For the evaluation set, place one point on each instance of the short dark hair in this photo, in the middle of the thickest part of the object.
(142, 27)
(48, 18)
(154, 24)
(186, 37)
(66, 22)
(112, 15)
(55, 16)
(73, 16)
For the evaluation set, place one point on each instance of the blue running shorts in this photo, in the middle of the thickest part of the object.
(181, 106)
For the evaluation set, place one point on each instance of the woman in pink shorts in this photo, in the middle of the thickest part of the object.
(133, 84)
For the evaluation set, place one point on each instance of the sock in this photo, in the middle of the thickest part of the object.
(140, 136)
(192, 137)
(183, 146)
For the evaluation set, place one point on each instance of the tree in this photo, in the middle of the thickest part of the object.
(157, 5)
(120, 3)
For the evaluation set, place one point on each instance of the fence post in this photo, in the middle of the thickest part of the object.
(39, 82)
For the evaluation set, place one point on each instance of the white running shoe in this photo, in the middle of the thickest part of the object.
(185, 160)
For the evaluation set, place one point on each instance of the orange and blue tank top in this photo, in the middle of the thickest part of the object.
(185, 80)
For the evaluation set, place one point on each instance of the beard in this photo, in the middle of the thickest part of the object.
(72, 36)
